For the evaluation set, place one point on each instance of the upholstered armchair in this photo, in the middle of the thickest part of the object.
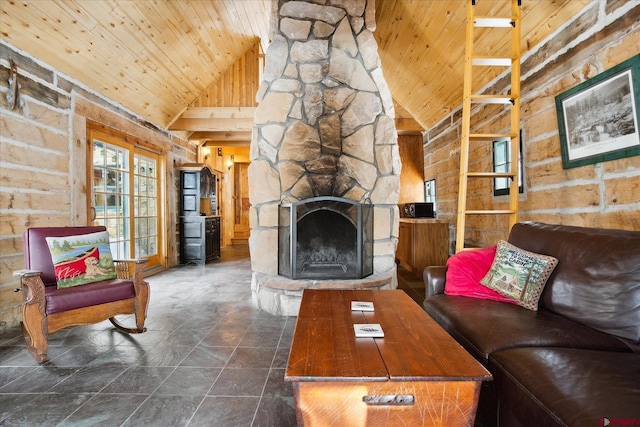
(48, 307)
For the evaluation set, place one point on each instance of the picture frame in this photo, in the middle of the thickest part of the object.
(598, 119)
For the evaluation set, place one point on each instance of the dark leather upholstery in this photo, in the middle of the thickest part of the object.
(434, 279)
(484, 327)
(566, 387)
(36, 251)
(596, 282)
(577, 359)
(37, 257)
(59, 300)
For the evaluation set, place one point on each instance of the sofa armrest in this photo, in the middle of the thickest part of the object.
(434, 279)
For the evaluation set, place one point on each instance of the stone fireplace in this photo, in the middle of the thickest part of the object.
(324, 144)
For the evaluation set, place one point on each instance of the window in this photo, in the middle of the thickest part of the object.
(430, 192)
(502, 163)
(126, 197)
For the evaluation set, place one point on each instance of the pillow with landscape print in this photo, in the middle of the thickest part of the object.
(464, 271)
(519, 274)
(81, 259)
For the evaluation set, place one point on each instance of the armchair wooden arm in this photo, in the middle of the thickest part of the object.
(34, 325)
(124, 270)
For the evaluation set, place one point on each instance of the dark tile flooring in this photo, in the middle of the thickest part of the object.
(209, 358)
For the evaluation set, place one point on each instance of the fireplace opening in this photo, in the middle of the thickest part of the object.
(325, 238)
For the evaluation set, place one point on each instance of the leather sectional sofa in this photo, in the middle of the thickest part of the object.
(576, 360)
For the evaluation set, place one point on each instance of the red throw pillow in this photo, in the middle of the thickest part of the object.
(464, 272)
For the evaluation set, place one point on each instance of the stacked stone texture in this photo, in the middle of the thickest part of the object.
(325, 123)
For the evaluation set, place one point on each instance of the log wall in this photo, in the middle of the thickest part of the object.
(603, 195)
(43, 147)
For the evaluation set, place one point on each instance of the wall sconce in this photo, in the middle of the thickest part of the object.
(230, 163)
(206, 151)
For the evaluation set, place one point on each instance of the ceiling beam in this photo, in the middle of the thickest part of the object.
(405, 125)
(217, 119)
(219, 143)
(224, 136)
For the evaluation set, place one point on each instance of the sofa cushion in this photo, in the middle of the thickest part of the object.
(464, 272)
(597, 280)
(519, 274)
(81, 259)
(36, 251)
(65, 299)
(484, 327)
(567, 387)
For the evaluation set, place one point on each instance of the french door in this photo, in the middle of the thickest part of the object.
(126, 197)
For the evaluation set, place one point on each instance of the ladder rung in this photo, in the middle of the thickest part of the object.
(494, 22)
(491, 136)
(469, 249)
(491, 61)
(491, 212)
(491, 174)
(492, 99)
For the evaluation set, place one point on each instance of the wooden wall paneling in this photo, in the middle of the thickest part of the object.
(412, 175)
(237, 86)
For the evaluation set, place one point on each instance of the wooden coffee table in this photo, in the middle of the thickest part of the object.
(417, 375)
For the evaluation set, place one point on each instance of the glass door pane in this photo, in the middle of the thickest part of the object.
(111, 195)
(146, 202)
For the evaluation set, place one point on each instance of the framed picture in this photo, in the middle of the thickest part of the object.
(598, 119)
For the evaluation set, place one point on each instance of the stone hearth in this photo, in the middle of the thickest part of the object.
(324, 127)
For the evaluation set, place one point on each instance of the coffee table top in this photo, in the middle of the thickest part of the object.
(414, 347)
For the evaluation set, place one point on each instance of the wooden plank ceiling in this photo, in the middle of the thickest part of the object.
(170, 61)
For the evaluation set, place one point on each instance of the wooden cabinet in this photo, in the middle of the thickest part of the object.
(212, 238)
(199, 226)
(421, 243)
(199, 239)
(198, 190)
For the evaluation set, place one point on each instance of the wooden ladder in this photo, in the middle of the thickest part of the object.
(511, 101)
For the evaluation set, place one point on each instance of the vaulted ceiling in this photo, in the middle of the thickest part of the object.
(157, 57)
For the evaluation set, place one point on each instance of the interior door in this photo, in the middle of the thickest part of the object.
(241, 197)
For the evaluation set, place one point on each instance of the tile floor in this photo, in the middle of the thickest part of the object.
(209, 358)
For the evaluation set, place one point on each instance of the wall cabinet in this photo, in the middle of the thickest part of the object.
(421, 243)
(199, 224)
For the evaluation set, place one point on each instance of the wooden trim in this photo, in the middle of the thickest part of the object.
(133, 145)
(408, 125)
(219, 113)
(213, 124)
(122, 136)
(89, 315)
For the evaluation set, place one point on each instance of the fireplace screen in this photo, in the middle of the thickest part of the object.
(325, 238)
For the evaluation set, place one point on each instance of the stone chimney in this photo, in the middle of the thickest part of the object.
(324, 127)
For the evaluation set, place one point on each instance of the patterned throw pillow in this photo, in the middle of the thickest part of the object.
(464, 272)
(519, 274)
(81, 259)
